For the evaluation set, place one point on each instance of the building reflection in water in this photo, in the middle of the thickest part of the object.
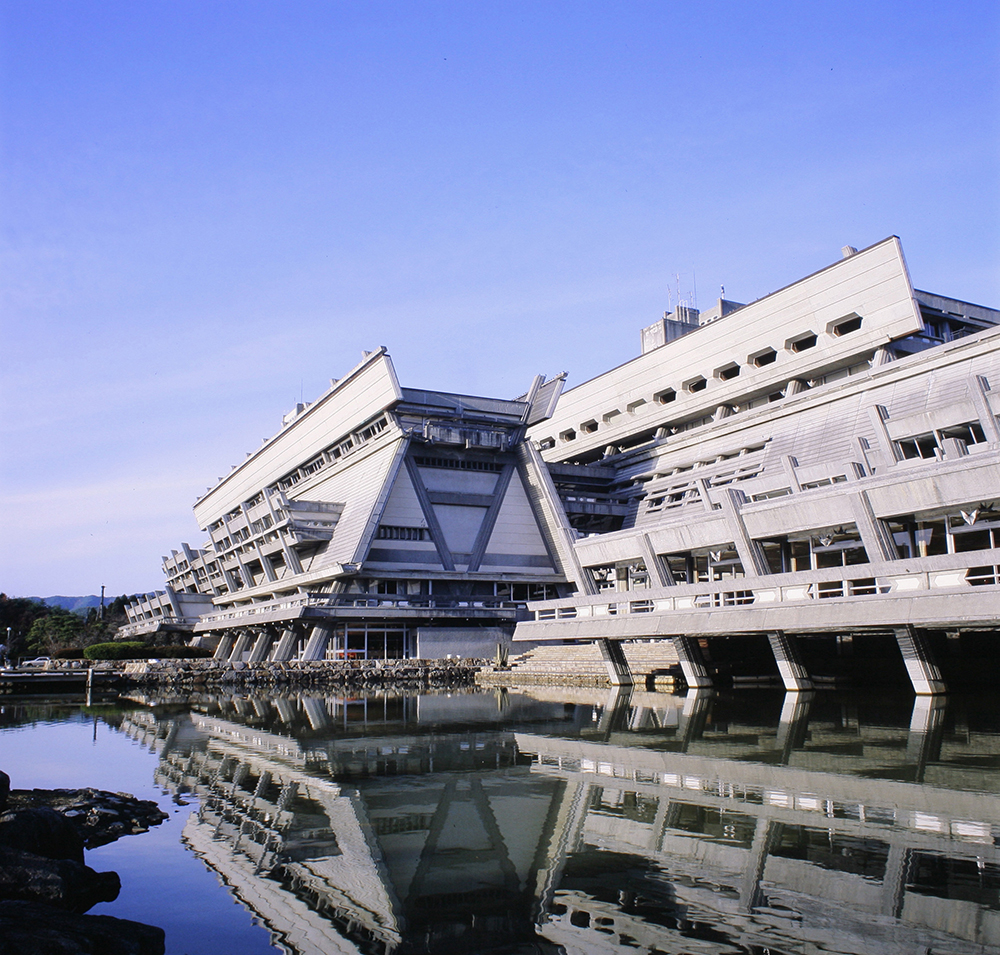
(580, 821)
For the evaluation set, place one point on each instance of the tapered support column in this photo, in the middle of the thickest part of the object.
(318, 641)
(261, 647)
(285, 648)
(614, 659)
(786, 655)
(920, 665)
(286, 710)
(692, 663)
(224, 648)
(240, 647)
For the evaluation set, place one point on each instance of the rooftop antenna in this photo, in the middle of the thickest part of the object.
(694, 292)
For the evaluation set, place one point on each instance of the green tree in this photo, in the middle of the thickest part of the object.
(57, 629)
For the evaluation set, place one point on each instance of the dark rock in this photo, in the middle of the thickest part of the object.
(42, 832)
(28, 928)
(4, 789)
(63, 883)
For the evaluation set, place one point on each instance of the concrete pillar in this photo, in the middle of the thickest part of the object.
(240, 647)
(318, 641)
(920, 665)
(284, 650)
(692, 662)
(261, 646)
(224, 648)
(786, 655)
(614, 659)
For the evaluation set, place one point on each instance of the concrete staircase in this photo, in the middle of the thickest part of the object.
(581, 664)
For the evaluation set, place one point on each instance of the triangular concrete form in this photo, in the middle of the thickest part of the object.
(516, 544)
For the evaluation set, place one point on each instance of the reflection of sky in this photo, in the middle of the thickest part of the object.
(163, 883)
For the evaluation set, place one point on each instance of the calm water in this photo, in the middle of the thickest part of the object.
(562, 820)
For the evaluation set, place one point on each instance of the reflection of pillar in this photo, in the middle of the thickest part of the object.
(288, 793)
(765, 837)
(920, 665)
(692, 662)
(263, 781)
(897, 872)
(614, 718)
(614, 659)
(261, 646)
(240, 647)
(786, 655)
(286, 712)
(563, 827)
(793, 723)
(694, 713)
(224, 648)
(315, 712)
(923, 745)
(318, 640)
(285, 649)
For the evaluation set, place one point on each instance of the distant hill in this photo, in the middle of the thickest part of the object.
(76, 604)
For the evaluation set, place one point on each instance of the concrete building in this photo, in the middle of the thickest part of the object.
(823, 460)
(380, 521)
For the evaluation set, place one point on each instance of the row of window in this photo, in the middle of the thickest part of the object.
(759, 359)
(977, 528)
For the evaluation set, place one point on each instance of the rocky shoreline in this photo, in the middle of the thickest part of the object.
(356, 674)
(45, 885)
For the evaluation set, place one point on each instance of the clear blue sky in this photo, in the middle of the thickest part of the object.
(211, 208)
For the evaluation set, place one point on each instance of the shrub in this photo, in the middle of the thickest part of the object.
(179, 651)
(117, 651)
(143, 651)
(68, 653)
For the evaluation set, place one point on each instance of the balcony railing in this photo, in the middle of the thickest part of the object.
(765, 592)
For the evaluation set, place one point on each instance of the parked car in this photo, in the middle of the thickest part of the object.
(36, 662)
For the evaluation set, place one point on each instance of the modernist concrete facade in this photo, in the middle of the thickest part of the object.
(824, 459)
(379, 519)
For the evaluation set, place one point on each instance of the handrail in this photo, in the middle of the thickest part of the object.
(756, 591)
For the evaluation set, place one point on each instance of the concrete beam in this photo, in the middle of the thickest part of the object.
(224, 648)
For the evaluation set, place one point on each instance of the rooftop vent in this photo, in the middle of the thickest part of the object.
(847, 251)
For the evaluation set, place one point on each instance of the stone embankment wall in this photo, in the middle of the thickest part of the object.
(199, 674)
